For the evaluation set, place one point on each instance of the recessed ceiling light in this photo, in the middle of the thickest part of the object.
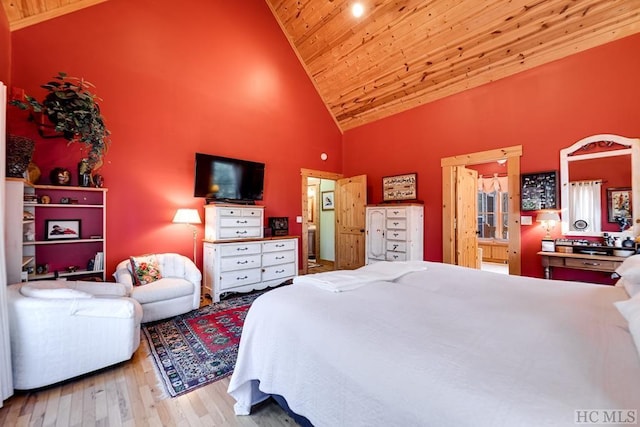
(357, 9)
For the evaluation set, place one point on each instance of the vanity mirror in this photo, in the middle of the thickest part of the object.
(593, 169)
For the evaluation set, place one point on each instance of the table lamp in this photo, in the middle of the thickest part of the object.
(189, 217)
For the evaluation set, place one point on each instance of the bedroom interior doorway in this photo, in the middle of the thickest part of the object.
(347, 224)
(456, 247)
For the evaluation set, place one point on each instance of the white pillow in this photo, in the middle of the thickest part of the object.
(629, 270)
(49, 290)
(630, 309)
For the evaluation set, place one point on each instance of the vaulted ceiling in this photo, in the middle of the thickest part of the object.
(404, 53)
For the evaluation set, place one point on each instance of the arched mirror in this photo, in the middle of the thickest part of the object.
(599, 178)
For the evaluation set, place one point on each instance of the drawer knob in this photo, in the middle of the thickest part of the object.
(595, 264)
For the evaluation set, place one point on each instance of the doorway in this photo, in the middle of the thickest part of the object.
(492, 212)
(454, 248)
(318, 230)
(320, 248)
(347, 201)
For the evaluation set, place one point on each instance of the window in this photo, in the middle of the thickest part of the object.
(493, 215)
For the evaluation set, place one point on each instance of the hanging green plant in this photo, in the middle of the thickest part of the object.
(74, 112)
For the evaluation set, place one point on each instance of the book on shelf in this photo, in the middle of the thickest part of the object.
(98, 261)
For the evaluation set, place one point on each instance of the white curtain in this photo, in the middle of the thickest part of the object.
(585, 205)
(495, 183)
(6, 379)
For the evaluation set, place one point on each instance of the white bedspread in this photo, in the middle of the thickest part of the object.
(347, 280)
(448, 346)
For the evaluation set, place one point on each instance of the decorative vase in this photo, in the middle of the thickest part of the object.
(19, 152)
(84, 173)
(628, 243)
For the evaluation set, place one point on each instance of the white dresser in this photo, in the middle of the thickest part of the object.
(395, 232)
(236, 256)
(223, 222)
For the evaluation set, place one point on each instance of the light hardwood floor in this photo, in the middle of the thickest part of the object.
(128, 394)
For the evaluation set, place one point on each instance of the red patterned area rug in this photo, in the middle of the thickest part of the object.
(199, 347)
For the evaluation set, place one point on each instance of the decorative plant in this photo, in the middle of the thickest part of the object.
(74, 112)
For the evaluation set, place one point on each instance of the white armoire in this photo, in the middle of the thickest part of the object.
(395, 232)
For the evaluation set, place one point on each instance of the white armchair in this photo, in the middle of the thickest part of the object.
(176, 293)
(61, 329)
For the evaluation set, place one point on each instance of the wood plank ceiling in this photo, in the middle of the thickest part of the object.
(404, 53)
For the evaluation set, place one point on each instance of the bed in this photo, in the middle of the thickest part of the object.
(438, 345)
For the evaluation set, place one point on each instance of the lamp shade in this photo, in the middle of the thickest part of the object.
(548, 216)
(187, 216)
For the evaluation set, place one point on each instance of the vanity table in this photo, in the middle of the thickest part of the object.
(578, 261)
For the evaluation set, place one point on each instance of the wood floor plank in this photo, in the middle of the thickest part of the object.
(130, 394)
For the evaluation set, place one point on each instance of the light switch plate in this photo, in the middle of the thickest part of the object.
(526, 220)
(299, 219)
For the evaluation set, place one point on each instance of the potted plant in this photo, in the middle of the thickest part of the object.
(74, 111)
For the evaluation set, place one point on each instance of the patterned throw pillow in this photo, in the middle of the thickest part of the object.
(145, 269)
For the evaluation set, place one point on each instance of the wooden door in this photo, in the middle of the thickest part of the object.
(467, 217)
(350, 201)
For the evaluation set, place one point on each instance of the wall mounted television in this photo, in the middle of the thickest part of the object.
(224, 179)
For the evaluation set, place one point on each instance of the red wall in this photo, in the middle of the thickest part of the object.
(543, 109)
(216, 77)
(5, 48)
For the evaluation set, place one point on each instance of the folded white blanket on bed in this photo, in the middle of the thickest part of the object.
(346, 280)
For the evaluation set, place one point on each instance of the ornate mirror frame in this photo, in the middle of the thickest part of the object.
(572, 153)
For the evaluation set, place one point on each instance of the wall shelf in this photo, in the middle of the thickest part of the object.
(53, 257)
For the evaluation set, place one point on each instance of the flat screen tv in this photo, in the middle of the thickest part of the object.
(224, 179)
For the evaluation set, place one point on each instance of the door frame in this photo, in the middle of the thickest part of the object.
(310, 173)
(512, 156)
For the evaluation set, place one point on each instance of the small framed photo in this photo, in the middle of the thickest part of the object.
(328, 201)
(62, 229)
(619, 203)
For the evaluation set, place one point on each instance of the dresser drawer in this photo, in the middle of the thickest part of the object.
(396, 224)
(230, 211)
(279, 245)
(274, 258)
(240, 233)
(278, 271)
(396, 246)
(239, 262)
(234, 279)
(252, 212)
(240, 249)
(396, 256)
(397, 235)
(239, 222)
(587, 264)
(397, 213)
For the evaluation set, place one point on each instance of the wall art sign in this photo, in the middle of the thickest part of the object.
(400, 187)
(539, 191)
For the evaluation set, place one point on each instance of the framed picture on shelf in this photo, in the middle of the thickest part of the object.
(539, 191)
(619, 203)
(328, 200)
(62, 229)
(400, 187)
